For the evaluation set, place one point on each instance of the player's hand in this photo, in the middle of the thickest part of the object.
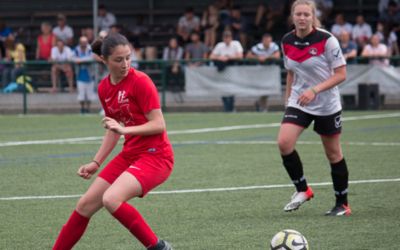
(86, 171)
(113, 125)
(306, 97)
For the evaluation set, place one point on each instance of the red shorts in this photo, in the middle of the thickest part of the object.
(149, 169)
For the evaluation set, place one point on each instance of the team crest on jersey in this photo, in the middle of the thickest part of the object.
(313, 51)
(122, 97)
(338, 121)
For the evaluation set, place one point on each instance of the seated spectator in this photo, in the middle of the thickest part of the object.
(238, 25)
(388, 37)
(341, 25)
(61, 56)
(362, 31)
(349, 47)
(173, 53)
(16, 55)
(270, 16)
(324, 9)
(382, 6)
(105, 18)
(82, 56)
(62, 31)
(226, 53)
(196, 49)
(5, 31)
(391, 15)
(377, 51)
(88, 32)
(45, 41)
(210, 24)
(187, 24)
(263, 51)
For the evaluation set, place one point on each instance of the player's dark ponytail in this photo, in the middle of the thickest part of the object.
(104, 47)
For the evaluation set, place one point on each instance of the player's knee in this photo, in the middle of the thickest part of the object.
(285, 145)
(86, 206)
(334, 156)
(110, 201)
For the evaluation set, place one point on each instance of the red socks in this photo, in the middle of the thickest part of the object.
(135, 223)
(71, 232)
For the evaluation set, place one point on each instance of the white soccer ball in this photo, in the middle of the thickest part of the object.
(289, 239)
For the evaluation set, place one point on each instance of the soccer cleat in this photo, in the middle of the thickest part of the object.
(339, 210)
(161, 245)
(298, 198)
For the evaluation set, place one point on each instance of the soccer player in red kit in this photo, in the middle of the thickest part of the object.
(315, 66)
(132, 109)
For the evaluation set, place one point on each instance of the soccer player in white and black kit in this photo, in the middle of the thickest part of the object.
(315, 66)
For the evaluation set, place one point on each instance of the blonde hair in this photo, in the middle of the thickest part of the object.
(311, 4)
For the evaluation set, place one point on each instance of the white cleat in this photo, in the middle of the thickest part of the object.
(297, 199)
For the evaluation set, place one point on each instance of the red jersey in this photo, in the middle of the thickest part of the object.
(127, 102)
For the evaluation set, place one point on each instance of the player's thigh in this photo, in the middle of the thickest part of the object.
(91, 201)
(124, 188)
(332, 147)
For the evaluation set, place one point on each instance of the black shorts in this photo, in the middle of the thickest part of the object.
(323, 125)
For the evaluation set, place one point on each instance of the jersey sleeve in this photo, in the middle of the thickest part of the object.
(147, 94)
(334, 53)
(100, 93)
(285, 59)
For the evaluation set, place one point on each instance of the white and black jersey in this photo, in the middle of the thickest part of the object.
(312, 59)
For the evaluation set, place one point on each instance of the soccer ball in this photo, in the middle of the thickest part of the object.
(289, 239)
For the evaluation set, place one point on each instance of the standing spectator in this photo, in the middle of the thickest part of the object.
(238, 25)
(348, 46)
(45, 41)
(377, 51)
(84, 74)
(210, 24)
(61, 56)
(341, 25)
(362, 31)
(62, 31)
(187, 24)
(173, 53)
(16, 55)
(263, 51)
(224, 54)
(196, 49)
(105, 19)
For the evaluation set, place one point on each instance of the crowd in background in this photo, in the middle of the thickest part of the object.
(220, 32)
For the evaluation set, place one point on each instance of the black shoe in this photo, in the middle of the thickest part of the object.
(339, 210)
(161, 245)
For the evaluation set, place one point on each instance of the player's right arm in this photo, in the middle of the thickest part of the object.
(110, 140)
(289, 82)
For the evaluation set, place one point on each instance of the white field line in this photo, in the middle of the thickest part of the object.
(187, 131)
(205, 190)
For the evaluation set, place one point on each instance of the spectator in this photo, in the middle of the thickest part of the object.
(45, 41)
(196, 49)
(226, 53)
(263, 51)
(377, 51)
(349, 47)
(173, 53)
(238, 25)
(388, 37)
(269, 15)
(391, 15)
(88, 32)
(61, 55)
(362, 31)
(341, 25)
(210, 24)
(187, 24)
(324, 9)
(84, 74)
(62, 31)
(105, 18)
(15, 54)
(5, 31)
(382, 6)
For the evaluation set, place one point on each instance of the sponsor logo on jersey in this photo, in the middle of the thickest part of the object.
(301, 44)
(313, 51)
(336, 52)
(122, 97)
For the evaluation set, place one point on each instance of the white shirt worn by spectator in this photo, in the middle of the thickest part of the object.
(260, 50)
(380, 50)
(362, 31)
(337, 29)
(63, 34)
(189, 25)
(105, 22)
(222, 49)
(61, 56)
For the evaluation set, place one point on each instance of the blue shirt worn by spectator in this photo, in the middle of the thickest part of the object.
(84, 71)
